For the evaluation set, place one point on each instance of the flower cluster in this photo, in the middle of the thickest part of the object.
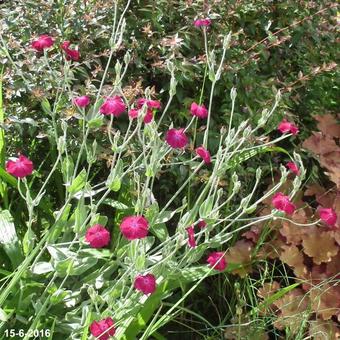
(151, 107)
(71, 54)
(137, 227)
(45, 41)
(177, 138)
(133, 228)
(282, 202)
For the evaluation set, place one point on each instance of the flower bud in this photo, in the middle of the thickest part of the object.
(61, 144)
(127, 58)
(226, 41)
(233, 93)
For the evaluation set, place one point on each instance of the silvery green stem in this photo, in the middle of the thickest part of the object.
(206, 133)
(206, 46)
(182, 187)
(164, 111)
(191, 121)
(233, 98)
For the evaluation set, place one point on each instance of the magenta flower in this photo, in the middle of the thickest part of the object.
(44, 41)
(191, 234)
(145, 283)
(202, 224)
(293, 168)
(20, 168)
(328, 215)
(199, 111)
(70, 53)
(97, 236)
(151, 104)
(148, 117)
(134, 113)
(81, 101)
(202, 152)
(97, 328)
(65, 45)
(176, 138)
(282, 202)
(286, 126)
(217, 261)
(113, 106)
(202, 22)
(134, 227)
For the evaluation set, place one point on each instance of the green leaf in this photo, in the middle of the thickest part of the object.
(97, 253)
(52, 329)
(80, 215)
(196, 253)
(243, 156)
(9, 239)
(42, 268)
(140, 263)
(67, 168)
(158, 228)
(63, 220)
(206, 207)
(114, 180)
(152, 212)
(269, 300)
(59, 253)
(11, 180)
(58, 296)
(86, 327)
(76, 266)
(149, 172)
(8, 233)
(99, 219)
(160, 231)
(115, 204)
(46, 106)
(165, 216)
(29, 241)
(67, 262)
(95, 123)
(3, 315)
(115, 184)
(78, 183)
